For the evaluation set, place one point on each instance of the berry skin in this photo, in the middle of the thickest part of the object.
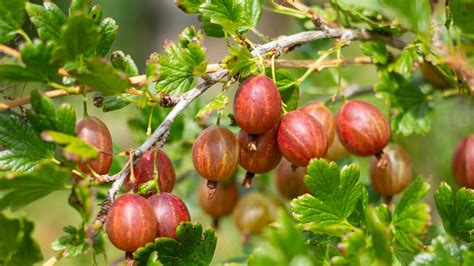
(362, 128)
(216, 153)
(253, 213)
(324, 117)
(290, 181)
(336, 151)
(394, 177)
(144, 169)
(301, 138)
(95, 132)
(170, 211)
(257, 105)
(131, 223)
(261, 158)
(224, 201)
(463, 162)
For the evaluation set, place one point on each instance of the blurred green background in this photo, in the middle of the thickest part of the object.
(144, 25)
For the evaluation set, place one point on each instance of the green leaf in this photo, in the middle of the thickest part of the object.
(217, 104)
(108, 30)
(414, 15)
(23, 189)
(288, 87)
(180, 63)
(456, 211)
(240, 61)
(12, 17)
(191, 247)
(462, 15)
(411, 217)
(37, 57)
(441, 252)
(73, 146)
(406, 61)
(77, 242)
(211, 29)
(78, 7)
(102, 77)
(226, 13)
(47, 19)
(17, 73)
(78, 35)
(336, 194)
(112, 103)
(284, 244)
(82, 199)
(189, 6)
(353, 247)
(124, 62)
(412, 107)
(44, 115)
(152, 67)
(381, 241)
(253, 11)
(24, 147)
(234, 16)
(17, 246)
(377, 50)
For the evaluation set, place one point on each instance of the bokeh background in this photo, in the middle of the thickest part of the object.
(144, 25)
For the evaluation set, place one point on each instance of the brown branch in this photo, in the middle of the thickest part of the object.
(322, 65)
(9, 51)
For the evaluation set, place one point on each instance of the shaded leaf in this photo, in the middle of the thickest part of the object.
(78, 34)
(124, 62)
(23, 189)
(102, 77)
(17, 246)
(38, 59)
(12, 17)
(189, 6)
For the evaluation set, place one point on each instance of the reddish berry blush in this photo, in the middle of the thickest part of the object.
(362, 128)
(301, 138)
(131, 223)
(170, 211)
(257, 105)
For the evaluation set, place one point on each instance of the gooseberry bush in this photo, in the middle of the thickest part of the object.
(306, 197)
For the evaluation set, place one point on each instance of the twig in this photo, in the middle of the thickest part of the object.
(9, 51)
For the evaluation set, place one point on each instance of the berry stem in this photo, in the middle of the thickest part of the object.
(212, 187)
(215, 223)
(248, 180)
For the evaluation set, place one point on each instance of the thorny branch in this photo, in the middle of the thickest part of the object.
(279, 46)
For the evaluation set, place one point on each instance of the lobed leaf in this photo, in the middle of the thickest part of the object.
(217, 104)
(24, 147)
(411, 217)
(456, 211)
(336, 194)
(191, 247)
(18, 246)
(180, 63)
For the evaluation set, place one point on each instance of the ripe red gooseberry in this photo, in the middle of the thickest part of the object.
(131, 223)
